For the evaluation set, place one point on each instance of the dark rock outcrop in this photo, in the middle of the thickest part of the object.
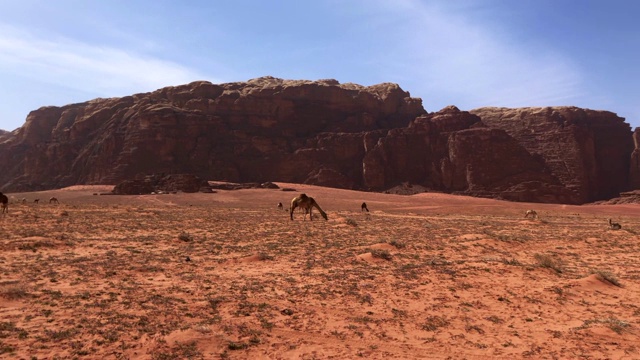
(323, 133)
(458, 153)
(158, 183)
(588, 151)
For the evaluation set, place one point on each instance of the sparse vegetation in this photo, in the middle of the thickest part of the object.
(612, 323)
(607, 276)
(95, 284)
(381, 254)
(185, 236)
(549, 262)
(351, 222)
(433, 323)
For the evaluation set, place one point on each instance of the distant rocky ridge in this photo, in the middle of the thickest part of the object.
(324, 133)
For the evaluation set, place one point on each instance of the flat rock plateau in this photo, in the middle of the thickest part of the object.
(228, 275)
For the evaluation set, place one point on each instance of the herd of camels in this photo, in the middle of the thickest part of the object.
(4, 202)
(302, 201)
(307, 203)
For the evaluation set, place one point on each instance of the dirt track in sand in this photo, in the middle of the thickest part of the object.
(422, 276)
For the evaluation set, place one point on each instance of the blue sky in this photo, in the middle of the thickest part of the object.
(468, 53)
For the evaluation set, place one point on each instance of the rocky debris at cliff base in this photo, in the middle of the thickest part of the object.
(224, 185)
(160, 183)
(406, 189)
(629, 197)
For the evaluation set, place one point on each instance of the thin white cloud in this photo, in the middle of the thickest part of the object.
(86, 67)
(450, 53)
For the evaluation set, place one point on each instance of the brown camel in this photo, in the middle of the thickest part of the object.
(533, 214)
(54, 200)
(614, 226)
(4, 202)
(280, 206)
(364, 207)
(308, 203)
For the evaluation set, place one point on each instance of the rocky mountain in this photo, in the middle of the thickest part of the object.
(324, 133)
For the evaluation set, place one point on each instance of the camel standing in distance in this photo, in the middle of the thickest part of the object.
(4, 202)
(54, 200)
(308, 203)
(614, 226)
(364, 207)
(280, 206)
(533, 214)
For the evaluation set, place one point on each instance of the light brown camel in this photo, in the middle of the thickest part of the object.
(614, 226)
(364, 207)
(308, 203)
(54, 200)
(533, 214)
(4, 202)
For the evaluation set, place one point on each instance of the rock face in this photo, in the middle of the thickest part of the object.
(634, 171)
(588, 151)
(263, 130)
(459, 153)
(323, 133)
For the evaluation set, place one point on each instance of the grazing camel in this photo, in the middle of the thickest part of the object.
(364, 207)
(308, 203)
(4, 202)
(36, 201)
(614, 226)
(54, 200)
(23, 201)
(533, 214)
(280, 206)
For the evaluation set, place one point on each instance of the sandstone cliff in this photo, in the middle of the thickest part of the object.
(588, 151)
(324, 133)
(264, 129)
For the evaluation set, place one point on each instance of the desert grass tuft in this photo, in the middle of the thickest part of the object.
(185, 236)
(433, 323)
(607, 276)
(381, 254)
(14, 292)
(549, 262)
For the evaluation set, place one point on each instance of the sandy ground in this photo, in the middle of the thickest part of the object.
(228, 275)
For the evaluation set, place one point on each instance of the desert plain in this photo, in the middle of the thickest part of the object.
(229, 276)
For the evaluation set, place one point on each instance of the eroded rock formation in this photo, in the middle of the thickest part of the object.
(588, 151)
(324, 133)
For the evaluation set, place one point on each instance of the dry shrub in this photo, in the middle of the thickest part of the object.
(381, 254)
(434, 322)
(14, 292)
(549, 262)
(607, 276)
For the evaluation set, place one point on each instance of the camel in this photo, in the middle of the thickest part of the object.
(36, 201)
(308, 203)
(54, 200)
(533, 214)
(364, 207)
(4, 202)
(614, 226)
(280, 206)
